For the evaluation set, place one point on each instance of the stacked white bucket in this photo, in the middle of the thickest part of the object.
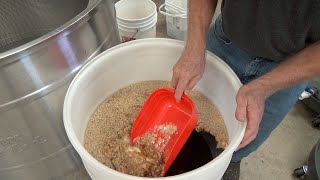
(136, 19)
(176, 12)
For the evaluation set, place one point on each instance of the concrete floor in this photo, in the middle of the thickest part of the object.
(286, 149)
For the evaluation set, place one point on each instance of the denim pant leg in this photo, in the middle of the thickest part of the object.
(248, 67)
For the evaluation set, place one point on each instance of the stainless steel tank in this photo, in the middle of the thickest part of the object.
(43, 44)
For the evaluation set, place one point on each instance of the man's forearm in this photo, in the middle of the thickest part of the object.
(199, 18)
(303, 66)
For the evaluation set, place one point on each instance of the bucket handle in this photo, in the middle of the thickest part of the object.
(181, 15)
(126, 39)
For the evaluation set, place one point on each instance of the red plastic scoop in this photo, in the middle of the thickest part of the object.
(172, 123)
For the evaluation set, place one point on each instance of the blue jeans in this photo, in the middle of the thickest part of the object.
(248, 67)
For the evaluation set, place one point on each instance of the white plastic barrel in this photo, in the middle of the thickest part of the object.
(136, 19)
(176, 12)
(121, 66)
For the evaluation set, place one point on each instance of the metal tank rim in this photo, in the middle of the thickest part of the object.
(63, 30)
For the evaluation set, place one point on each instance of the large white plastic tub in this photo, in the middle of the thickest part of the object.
(139, 60)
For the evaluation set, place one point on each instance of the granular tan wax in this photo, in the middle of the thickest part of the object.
(107, 136)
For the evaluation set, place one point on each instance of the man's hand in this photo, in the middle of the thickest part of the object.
(251, 97)
(250, 107)
(189, 69)
(187, 72)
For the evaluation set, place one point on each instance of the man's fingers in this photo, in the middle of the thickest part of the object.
(252, 126)
(174, 79)
(246, 141)
(191, 84)
(241, 111)
(249, 136)
(182, 83)
(250, 107)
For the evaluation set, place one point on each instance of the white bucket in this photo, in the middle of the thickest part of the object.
(136, 19)
(121, 66)
(176, 12)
